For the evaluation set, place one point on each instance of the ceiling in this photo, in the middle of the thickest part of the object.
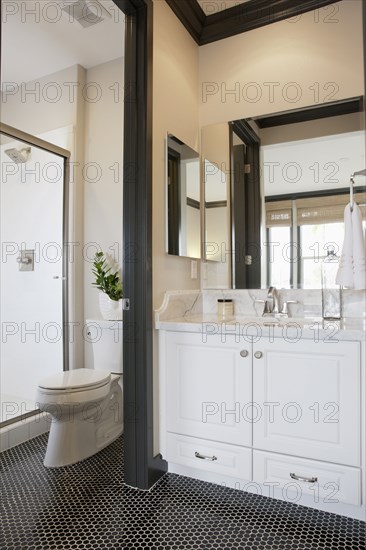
(35, 45)
(214, 6)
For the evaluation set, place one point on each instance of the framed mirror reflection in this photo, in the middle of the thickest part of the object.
(289, 184)
(183, 206)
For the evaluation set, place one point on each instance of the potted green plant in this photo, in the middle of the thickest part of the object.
(110, 285)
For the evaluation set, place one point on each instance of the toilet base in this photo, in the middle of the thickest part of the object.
(74, 439)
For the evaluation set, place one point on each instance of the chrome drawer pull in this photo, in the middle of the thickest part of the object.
(244, 353)
(307, 479)
(204, 457)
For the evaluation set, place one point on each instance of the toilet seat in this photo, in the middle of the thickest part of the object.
(75, 381)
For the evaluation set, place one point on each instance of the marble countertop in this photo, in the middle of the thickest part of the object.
(249, 327)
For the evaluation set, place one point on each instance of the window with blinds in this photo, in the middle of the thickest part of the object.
(278, 213)
(311, 210)
(309, 224)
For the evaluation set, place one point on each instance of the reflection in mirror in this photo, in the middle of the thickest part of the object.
(215, 153)
(183, 199)
(216, 209)
(290, 200)
(306, 168)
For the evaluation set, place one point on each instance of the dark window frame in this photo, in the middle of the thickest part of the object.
(297, 228)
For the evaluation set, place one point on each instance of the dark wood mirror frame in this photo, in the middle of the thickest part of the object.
(246, 199)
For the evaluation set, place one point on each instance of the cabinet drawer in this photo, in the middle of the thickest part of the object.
(335, 483)
(230, 460)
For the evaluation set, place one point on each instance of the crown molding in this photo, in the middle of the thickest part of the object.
(205, 29)
(191, 15)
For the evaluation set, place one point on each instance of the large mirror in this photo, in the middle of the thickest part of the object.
(287, 176)
(183, 212)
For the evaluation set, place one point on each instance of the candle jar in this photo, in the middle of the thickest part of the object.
(225, 308)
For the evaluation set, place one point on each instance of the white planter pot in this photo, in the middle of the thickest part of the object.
(111, 310)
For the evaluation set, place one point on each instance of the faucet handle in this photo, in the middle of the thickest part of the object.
(284, 309)
(260, 301)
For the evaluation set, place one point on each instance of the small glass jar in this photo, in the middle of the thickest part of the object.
(331, 292)
(225, 308)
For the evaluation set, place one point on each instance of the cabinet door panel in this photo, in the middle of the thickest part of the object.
(209, 386)
(308, 397)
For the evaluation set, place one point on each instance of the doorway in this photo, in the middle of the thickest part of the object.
(33, 271)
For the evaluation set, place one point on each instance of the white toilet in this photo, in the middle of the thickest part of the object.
(85, 405)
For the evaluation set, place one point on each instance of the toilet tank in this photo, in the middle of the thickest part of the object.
(106, 338)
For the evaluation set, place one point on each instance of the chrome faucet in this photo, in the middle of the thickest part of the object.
(271, 306)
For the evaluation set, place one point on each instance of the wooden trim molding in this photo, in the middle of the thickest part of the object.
(191, 15)
(142, 468)
(334, 108)
(205, 29)
(216, 204)
(193, 203)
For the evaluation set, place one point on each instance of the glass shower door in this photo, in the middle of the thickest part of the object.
(32, 283)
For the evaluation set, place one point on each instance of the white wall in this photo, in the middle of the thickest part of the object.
(103, 193)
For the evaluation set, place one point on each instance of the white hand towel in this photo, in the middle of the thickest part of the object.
(352, 265)
(345, 270)
(359, 256)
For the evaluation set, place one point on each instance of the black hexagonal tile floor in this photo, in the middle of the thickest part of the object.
(87, 506)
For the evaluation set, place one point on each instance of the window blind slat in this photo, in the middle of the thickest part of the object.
(279, 213)
(312, 210)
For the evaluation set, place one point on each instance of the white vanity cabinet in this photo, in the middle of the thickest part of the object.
(206, 383)
(308, 394)
(269, 413)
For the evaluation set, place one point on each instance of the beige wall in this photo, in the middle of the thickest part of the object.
(103, 200)
(311, 59)
(312, 129)
(175, 110)
(44, 104)
(322, 59)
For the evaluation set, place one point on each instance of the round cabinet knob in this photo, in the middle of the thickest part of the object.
(258, 355)
(244, 353)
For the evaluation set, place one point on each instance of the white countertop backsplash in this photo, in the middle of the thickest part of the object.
(193, 311)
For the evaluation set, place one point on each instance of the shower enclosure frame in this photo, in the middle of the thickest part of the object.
(34, 141)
